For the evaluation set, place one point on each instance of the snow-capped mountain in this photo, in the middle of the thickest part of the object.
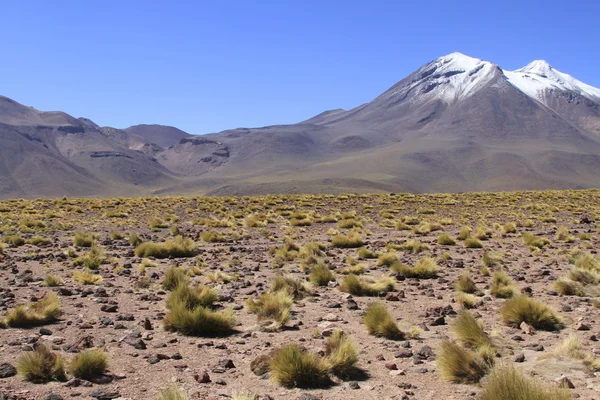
(455, 124)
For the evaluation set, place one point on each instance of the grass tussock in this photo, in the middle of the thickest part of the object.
(84, 239)
(291, 366)
(272, 309)
(361, 287)
(425, 268)
(466, 284)
(199, 296)
(320, 275)
(459, 365)
(505, 382)
(524, 309)
(41, 365)
(198, 321)
(89, 363)
(172, 392)
(87, 277)
(502, 286)
(469, 331)
(446, 240)
(341, 355)
(413, 246)
(473, 243)
(41, 312)
(352, 240)
(53, 280)
(93, 259)
(174, 277)
(176, 248)
(290, 285)
(379, 322)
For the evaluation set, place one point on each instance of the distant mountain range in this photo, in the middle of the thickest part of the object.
(456, 124)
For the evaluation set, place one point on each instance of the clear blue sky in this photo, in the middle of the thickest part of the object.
(207, 66)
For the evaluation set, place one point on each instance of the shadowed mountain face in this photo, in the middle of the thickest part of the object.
(456, 124)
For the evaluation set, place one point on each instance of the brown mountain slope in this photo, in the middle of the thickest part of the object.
(455, 124)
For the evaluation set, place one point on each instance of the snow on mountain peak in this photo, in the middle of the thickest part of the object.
(539, 67)
(448, 78)
(538, 77)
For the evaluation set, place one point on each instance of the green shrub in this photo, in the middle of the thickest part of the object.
(293, 367)
(290, 285)
(41, 365)
(177, 248)
(39, 241)
(364, 253)
(524, 309)
(380, 323)
(89, 363)
(93, 259)
(387, 259)
(134, 240)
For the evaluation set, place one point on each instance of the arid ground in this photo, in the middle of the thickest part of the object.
(545, 241)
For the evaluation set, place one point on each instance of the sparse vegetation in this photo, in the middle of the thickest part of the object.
(524, 309)
(379, 322)
(89, 363)
(292, 366)
(38, 313)
(41, 365)
(361, 287)
(177, 248)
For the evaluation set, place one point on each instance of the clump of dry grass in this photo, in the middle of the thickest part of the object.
(291, 366)
(466, 284)
(172, 392)
(41, 312)
(290, 285)
(351, 240)
(41, 365)
(502, 286)
(507, 383)
(174, 277)
(469, 331)
(459, 365)
(177, 248)
(84, 239)
(341, 355)
(520, 309)
(198, 321)
(87, 277)
(89, 363)
(272, 309)
(379, 322)
(53, 280)
(425, 268)
(446, 240)
(320, 275)
(192, 297)
(472, 243)
(361, 287)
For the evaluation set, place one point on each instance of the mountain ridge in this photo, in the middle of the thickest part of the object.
(457, 123)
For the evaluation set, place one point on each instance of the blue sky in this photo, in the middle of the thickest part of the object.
(207, 66)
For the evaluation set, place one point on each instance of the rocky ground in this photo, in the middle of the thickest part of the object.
(125, 319)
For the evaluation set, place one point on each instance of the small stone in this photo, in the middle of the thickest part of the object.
(582, 326)
(564, 382)
(7, 370)
(526, 328)
(391, 366)
(392, 297)
(203, 378)
(52, 396)
(109, 308)
(308, 396)
(45, 332)
(398, 372)
(226, 364)
(520, 358)
(354, 385)
(101, 394)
